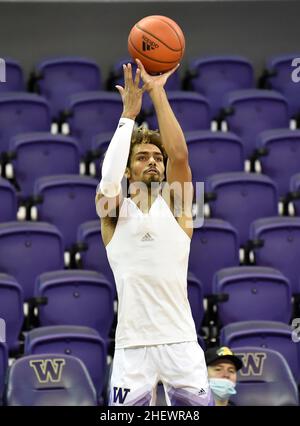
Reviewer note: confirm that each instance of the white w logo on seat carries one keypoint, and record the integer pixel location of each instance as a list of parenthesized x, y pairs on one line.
[(48, 370)]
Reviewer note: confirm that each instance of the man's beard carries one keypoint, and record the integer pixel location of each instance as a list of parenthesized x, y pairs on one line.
[(152, 182)]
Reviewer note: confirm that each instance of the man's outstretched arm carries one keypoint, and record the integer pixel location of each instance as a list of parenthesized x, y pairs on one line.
[(178, 169), (115, 161)]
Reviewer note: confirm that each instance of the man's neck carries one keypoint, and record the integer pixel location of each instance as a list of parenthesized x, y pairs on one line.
[(145, 198)]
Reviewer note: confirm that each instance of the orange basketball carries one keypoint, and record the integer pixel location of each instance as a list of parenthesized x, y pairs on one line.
[(158, 42)]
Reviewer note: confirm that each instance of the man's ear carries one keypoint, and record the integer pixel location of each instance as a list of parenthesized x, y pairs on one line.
[(127, 173)]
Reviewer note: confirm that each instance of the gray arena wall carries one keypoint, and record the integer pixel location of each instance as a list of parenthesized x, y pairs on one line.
[(31, 31)]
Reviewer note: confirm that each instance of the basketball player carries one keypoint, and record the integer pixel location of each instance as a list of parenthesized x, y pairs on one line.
[(148, 249)]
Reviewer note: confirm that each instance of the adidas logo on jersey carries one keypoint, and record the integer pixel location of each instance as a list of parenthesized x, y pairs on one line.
[(149, 44), (201, 392), (147, 237)]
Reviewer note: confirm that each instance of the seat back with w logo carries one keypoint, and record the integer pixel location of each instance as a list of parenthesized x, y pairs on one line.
[(265, 378), (50, 379)]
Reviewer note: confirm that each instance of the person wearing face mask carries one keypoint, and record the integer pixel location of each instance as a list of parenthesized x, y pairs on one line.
[(223, 366)]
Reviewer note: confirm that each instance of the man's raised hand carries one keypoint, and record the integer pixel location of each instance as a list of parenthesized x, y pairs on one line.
[(131, 93)]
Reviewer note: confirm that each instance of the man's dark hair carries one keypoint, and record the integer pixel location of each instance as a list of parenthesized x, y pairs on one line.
[(143, 135)]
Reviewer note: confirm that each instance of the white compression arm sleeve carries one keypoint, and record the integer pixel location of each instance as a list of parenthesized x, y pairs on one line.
[(115, 160)]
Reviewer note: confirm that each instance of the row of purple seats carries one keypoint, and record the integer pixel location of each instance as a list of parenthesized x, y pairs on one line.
[(71, 297), (83, 298), (273, 241), (38, 154), (71, 340), (63, 200), (215, 76), (68, 200), (239, 198), (211, 76), (214, 247), (264, 380), (55, 79), (247, 113), (265, 280)]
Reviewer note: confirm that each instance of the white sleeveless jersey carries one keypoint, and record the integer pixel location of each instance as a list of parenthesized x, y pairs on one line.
[(148, 254)]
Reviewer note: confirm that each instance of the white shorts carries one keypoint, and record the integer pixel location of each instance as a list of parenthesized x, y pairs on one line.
[(179, 366)]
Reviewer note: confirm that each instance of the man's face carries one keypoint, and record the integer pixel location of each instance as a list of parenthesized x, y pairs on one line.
[(146, 164), (222, 369)]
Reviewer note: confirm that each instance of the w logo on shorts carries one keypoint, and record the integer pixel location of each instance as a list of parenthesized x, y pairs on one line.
[(120, 395)]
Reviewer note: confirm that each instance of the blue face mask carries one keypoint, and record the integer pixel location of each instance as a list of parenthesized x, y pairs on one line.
[(222, 388)]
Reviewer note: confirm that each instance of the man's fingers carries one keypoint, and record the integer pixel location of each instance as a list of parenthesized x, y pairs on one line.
[(120, 89), (172, 71), (137, 77), (140, 65), (129, 75), (126, 78)]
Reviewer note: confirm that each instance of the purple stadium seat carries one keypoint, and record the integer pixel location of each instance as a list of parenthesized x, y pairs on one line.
[(91, 113), (191, 109), (58, 78), (3, 367), (265, 379), (240, 198), (9, 202), (250, 112), (75, 297), (264, 334), (278, 76), (42, 154), (195, 296), (255, 293), (214, 246), (28, 249), (11, 309), (215, 76), (52, 379), (213, 152), (82, 342), (100, 144), (275, 242), (93, 254), (14, 77), (66, 201), (295, 192), (279, 155), (21, 113)]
